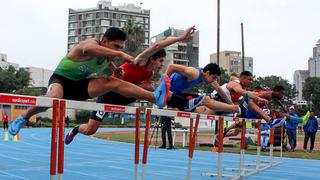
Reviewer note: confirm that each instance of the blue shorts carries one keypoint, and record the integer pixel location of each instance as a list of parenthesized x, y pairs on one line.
[(252, 115)]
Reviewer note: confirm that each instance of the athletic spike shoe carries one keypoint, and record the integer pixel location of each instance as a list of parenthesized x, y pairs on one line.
[(161, 92), (193, 103), (69, 137), (16, 125), (277, 122)]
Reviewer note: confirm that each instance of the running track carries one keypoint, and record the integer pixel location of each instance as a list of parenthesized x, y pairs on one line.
[(91, 158)]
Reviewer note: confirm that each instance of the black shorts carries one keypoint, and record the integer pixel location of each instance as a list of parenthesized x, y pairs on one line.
[(110, 98), (189, 96), (73, 90)]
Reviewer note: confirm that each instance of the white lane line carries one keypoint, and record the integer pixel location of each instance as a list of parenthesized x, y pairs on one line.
[(17, 159), (12, 175)]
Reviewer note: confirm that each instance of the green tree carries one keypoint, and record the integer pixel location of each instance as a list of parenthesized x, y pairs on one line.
[(12, 80), (311, 92), (82, 116), (135, 37)]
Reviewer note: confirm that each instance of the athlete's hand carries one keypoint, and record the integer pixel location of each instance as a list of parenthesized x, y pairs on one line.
[(263, 100), (127, 57), (188, 33)]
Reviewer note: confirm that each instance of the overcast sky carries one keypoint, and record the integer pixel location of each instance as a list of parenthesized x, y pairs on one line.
[(279, 34)]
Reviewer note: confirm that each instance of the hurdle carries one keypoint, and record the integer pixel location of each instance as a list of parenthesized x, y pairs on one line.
[(243, 172), (170, 113), (59, 107)]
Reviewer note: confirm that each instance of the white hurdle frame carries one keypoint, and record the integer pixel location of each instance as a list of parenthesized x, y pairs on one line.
[(259, 166), (58, 122)]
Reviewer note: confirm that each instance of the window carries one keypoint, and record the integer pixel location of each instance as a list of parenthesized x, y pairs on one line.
[(73, 25), (88, 30), (71, 39), (105, 22), (72, 18), (88, 16), (122, 24), (105, 14), (72, 32), (97, 15), (139, 19), (146, 20), (114, 15), (146, 34), (104, 29), (146, 41), (71, 46), (80, 17)]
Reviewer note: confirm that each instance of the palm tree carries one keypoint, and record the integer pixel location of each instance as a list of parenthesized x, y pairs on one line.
[(135, 37)]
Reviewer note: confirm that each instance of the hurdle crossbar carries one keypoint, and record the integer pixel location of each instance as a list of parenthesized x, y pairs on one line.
[(58, 122)]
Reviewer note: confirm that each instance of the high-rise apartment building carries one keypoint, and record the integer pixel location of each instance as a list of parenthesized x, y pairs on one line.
[(4, 64), (299, 78), (314, 61), (185, 53), (93, 22), (231, 61)]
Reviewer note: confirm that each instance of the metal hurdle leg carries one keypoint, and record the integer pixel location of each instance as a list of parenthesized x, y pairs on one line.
[(146, 140), (62, 114), (137, 143), (53, 156)]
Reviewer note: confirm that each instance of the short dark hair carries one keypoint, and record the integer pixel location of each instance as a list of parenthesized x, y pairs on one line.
[(278, 88), (213, 68), (159, 54), (246, 73), (114, 33)]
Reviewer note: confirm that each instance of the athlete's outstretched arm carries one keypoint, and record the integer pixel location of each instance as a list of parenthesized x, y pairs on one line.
[(142, 58), (91, 47), (238, 89), (216, 86), (190, 73)]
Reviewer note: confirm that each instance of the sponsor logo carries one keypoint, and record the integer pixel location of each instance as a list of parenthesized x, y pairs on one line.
[(114, 108), (211, 117), (182, 114), (17, 100), (100, 114)]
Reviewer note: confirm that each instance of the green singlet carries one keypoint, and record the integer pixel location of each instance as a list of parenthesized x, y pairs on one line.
[(76, 70)]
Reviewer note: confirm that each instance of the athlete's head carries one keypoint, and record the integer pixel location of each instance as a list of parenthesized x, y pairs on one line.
[(278, 92), (246, 78), (114, 38), (210, 72), (155, 62)]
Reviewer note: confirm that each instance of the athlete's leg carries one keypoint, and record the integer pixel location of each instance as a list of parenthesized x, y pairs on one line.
[(233, 132), (55, 90), (99, 86), (90, 128), (256, 109), (220, 106)]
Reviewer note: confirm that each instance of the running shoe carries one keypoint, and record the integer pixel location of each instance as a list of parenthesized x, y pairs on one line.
[(193, 103), (162, 91), (16, 125), (69, 137)]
